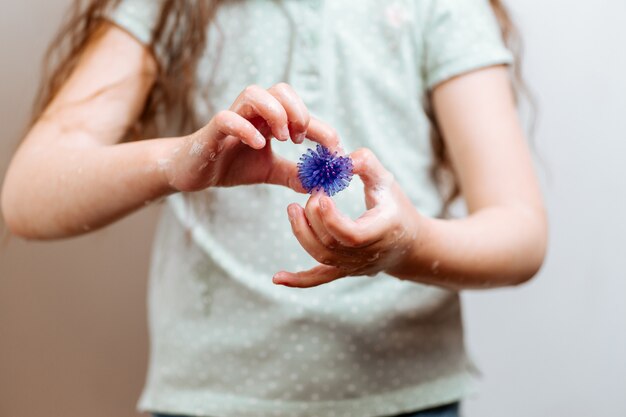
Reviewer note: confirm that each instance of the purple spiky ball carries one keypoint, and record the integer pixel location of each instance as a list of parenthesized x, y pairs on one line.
[(320, 168)]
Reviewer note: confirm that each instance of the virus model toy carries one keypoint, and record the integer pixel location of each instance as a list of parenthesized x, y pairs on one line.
[(323, 169)]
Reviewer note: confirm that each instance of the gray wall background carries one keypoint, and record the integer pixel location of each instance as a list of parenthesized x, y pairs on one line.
[(72, 313)]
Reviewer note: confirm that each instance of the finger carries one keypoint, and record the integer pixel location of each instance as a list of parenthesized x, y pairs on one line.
[(313, 214), (367, 166), (262, 126), (297, 113), (318, 275), (368, 229), (256, 101), (376, 179), (284, 172), (306, 237), (323, 134), (223, 124)]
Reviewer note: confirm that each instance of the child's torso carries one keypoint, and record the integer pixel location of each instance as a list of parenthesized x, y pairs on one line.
[(225, 339)]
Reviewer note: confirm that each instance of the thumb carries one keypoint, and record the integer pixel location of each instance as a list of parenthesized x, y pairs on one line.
[(367, 166), (284, 172)]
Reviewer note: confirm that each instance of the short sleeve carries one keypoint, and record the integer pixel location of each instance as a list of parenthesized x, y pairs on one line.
[(460, 36), (137, 17)]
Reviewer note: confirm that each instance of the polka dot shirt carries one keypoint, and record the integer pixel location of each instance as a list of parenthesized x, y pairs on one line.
[(225, 340)]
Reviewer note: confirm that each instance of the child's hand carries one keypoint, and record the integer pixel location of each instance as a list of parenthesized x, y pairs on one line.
[(378, 240), (234, 147)]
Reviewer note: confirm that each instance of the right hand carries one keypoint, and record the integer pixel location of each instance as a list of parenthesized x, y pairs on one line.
[(234, 147)]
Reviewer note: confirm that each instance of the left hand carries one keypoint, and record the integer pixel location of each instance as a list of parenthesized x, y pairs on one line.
[(379, 240)]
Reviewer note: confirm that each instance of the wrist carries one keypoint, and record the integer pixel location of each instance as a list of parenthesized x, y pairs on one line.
[(161, 158), (414, 262)]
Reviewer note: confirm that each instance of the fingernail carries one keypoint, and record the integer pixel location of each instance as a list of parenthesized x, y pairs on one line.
[(291, 214), (284, 133), (259, 139), (323, 203), (300, 137)]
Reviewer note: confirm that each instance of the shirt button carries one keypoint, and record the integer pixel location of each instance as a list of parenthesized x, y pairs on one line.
[(314, 4), (311, 81), (310, 39)]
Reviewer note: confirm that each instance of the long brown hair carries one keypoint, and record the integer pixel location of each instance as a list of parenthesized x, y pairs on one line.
[(179, 52)]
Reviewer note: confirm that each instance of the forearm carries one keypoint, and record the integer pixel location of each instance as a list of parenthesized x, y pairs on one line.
[(69, 187), (493, 247)]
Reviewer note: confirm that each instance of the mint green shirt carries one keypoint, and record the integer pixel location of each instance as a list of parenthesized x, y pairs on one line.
[(225, 340)]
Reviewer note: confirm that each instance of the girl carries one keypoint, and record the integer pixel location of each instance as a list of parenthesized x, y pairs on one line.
[(418, 90)]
